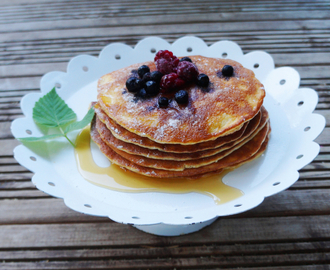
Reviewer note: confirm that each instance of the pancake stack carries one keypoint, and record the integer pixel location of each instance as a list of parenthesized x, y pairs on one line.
[(222, 125)]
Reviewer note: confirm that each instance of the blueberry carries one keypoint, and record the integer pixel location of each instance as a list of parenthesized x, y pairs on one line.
[(181, 96), (142, 93), (227, 71), (133, 84), (185, 59), (152, 88), (156, 76), (163, 102), (142, 70), (203, 80), (146, 77)]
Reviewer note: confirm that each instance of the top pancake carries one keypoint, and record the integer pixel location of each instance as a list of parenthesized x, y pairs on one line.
[(219, 110)]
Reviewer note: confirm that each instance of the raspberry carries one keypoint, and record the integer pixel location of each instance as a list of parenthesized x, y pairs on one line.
[(171, 82), (166, 62), (187, 71), (164, 54)]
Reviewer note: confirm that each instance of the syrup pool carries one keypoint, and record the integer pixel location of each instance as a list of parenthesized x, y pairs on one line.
[(115, 178)]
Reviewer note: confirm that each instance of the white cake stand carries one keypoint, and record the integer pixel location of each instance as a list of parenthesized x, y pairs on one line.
[(291, 146)]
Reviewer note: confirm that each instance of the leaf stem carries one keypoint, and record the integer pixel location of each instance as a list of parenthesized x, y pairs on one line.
[(69, 140), (64, 134)]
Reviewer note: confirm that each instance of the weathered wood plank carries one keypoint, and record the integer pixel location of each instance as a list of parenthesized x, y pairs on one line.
[(166, 251), (22, 194), (31, 69), (84, 9), (168, 263), (58, 55), (314, 175), (12, 168), (247, 40), (186, 16), (5, 130), (16, 185), (228, 230), (20, 83), (41, 210), (7, 146), (15, 176), (160, 29)]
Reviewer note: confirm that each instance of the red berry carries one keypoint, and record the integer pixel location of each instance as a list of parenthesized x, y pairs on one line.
[(166, 62), (171, 82), (187, 71), (164, 54)]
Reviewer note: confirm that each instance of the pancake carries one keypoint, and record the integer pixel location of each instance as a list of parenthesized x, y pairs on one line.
[(126, 136), (122, 146), (173, 165), (217, 111), (247, 152)]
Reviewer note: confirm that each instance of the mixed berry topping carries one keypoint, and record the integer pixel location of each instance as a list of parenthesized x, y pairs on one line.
[(227, 71), (203, 80), (166, 62), (171, 75), (163, 102), (170, 82), (181, 97)]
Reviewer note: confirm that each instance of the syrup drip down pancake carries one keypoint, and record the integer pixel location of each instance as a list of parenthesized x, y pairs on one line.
[(180, 118)]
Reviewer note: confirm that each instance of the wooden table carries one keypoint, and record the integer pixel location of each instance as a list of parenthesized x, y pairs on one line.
[(290, 230)]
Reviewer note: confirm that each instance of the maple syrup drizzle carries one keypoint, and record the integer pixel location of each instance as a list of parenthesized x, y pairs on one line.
[(115, 178)]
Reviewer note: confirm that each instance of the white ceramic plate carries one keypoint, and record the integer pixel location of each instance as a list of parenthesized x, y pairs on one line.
[(291, 145)]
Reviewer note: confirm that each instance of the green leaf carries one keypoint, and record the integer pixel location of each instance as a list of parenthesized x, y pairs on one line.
[(82, 123), (52, 111), (38, 139)]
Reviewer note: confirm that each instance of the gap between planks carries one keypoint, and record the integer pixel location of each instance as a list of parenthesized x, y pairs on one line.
[(173, 251)]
